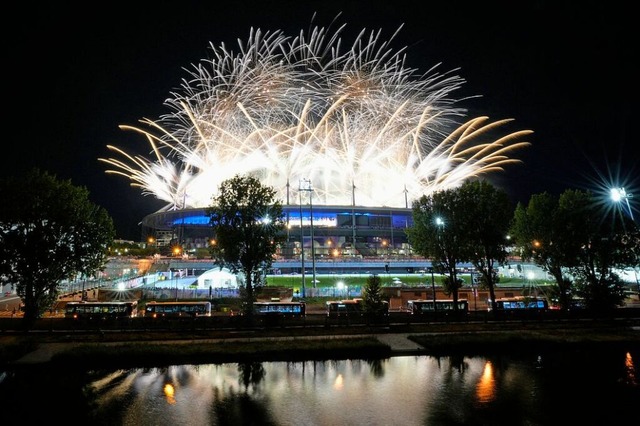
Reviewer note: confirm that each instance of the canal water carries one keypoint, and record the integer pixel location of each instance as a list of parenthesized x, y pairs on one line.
[(577, 387)]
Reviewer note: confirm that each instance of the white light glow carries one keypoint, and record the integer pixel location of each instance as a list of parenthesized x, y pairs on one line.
[(357, 122), (619, 195)]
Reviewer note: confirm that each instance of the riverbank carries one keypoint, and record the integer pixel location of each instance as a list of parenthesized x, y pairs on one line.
[(149, 349)]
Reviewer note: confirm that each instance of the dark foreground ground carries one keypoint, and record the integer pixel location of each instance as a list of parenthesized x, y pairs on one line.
[(96, 348)]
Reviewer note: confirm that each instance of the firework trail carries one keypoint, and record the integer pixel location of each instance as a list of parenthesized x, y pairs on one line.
[(290, 108)]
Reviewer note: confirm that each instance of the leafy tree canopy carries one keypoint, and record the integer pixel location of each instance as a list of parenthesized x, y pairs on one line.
[(485, 214), (579, 243), (49, 232), (373, 298), (437, 233), (248, 224)]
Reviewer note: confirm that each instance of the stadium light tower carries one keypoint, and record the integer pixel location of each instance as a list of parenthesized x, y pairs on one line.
[(301, 242), (305, 185), (619, 195)]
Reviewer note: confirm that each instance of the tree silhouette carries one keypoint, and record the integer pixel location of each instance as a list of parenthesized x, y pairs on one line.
[(248, 224), (49, 232)]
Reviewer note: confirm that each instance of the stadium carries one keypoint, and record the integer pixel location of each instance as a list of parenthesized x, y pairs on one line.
[(347, 136), (326, 232)]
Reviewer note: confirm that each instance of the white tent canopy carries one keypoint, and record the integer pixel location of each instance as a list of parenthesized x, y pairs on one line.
[(217, 278)]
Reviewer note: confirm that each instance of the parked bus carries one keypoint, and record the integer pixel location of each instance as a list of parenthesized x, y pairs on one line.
[(347, 308), (177, 309), (287, 309), (424, 306), (520, 304), (101, 310)]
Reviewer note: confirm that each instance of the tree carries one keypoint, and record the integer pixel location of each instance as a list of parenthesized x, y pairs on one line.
[(49, 232), (436, 233), (373, 298), (485, 214), (538, 231), (248, 224), (607, 243), (571, 238)]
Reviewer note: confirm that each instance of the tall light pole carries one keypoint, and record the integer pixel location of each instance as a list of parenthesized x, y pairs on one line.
[(175, 277), (353, 218), (313, 243), (305, 185), (433, 287), (301, 241), (288, 224), (181, 230), (619, 195), (475, 292), (440, 225)]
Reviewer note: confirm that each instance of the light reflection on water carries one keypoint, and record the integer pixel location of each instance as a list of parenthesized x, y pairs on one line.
[(486, 387), (412, 390), (630, 371)]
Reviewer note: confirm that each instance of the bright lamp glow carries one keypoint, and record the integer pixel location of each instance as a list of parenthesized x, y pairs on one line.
[(619, 195)]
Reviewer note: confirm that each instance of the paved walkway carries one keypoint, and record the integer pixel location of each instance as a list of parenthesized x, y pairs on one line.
[(399, 343)]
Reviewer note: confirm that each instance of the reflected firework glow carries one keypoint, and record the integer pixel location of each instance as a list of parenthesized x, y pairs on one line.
[(288, 108)]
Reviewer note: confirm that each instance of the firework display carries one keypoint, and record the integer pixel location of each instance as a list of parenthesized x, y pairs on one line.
[(309, 107)]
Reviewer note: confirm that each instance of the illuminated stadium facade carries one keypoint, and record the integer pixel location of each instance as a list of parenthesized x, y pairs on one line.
[(353, 120), (378, 232)]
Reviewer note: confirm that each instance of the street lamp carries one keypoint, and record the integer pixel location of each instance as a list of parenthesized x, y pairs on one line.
[(530, 277), (433, 287), (175, 277), (475, 292), (440, 225), (619, 195)]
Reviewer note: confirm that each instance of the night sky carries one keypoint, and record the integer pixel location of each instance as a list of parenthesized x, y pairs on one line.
[(567, 72)]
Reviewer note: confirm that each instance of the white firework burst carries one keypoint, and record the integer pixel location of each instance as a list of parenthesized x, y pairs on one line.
[(290, 108)]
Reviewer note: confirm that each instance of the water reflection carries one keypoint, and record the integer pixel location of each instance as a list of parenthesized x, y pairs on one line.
[(339, 383), (169, 391), (251, 373), (630, 371), (412, 390), (486, 389)]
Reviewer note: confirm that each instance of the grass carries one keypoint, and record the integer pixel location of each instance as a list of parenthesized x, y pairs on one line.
[(518, 341), (360, 280), (15, 347), (130, 355)]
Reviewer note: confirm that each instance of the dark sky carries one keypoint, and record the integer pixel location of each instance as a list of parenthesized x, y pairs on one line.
[(566, 71)]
